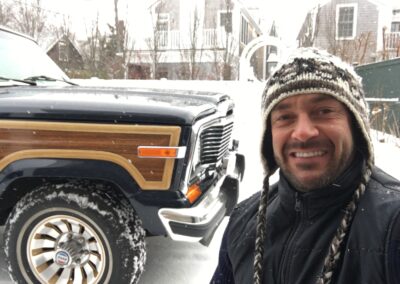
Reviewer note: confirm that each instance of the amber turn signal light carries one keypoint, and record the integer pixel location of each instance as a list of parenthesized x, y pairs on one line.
[(161, 152), (193, 193)]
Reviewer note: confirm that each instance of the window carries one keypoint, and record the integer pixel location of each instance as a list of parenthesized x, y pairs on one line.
[(395, 27), (62, 51), (163, 22), (162, 29), (244, 32), (225, 20), (346, 19), (396, 12)]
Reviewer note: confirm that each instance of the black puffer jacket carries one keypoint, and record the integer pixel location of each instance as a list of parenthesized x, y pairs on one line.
[(300, 228)]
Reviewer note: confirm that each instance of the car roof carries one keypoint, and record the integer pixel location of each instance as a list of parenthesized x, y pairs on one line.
[(8, 30)]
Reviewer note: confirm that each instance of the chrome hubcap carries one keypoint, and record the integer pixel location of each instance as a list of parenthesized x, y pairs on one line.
[(63, 249), (73, 250)]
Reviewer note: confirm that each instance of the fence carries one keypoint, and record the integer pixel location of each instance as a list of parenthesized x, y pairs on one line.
[(382, 87)]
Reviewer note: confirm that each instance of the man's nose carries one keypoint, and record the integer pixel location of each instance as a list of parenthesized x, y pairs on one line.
[(304, 129)]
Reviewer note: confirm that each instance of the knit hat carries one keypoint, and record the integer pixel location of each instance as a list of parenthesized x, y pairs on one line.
[(313, 71)]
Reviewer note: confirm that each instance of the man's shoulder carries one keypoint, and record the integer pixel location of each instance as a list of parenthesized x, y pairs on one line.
[(242, 222), (247, 205), (382, 180), (382, 195), (247, 209)]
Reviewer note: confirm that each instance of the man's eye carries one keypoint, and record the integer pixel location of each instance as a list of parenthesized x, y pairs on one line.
[(325, 111), (283, 117)]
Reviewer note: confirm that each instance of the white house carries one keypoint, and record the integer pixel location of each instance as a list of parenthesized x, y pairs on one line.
[(199, 39), (359, 31)]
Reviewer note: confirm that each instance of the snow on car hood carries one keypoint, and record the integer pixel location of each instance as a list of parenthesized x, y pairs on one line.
[(104, 104)]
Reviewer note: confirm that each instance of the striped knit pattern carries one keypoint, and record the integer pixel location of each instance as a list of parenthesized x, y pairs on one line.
[(312, 71), (260, 233)]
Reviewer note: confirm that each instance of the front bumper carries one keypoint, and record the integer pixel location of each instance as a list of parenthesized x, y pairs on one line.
[(199, 222)]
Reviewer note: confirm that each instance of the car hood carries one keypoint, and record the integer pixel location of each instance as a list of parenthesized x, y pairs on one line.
[(76, 103)]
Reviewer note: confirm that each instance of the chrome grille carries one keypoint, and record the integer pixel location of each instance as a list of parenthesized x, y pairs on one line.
[(214, 142)]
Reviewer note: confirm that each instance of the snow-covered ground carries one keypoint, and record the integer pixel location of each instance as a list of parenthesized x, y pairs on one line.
[(172, 262)]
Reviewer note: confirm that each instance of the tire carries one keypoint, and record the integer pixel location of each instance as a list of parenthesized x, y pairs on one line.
[(74, 233)]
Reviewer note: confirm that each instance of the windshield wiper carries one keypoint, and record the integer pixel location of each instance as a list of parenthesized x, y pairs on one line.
[(26, 81), (47, 78)]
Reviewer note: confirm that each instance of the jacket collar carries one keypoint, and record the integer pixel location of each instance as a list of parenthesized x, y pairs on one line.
[(335, 195)]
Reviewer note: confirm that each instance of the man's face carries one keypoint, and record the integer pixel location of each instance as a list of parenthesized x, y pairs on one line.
[(312, 139)]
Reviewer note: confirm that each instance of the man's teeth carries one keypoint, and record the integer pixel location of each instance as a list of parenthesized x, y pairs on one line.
[(308, 154)]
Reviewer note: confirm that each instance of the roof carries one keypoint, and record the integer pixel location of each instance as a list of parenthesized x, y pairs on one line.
[(53, 42), (249, 17)]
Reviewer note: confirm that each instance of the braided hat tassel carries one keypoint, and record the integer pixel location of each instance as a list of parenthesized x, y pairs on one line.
[(261, 230), (335, 248)]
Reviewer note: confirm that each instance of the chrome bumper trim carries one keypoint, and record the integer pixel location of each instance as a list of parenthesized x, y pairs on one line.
[(196, 222)]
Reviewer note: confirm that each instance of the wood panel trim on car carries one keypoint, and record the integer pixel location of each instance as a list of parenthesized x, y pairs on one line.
[(107, 142)]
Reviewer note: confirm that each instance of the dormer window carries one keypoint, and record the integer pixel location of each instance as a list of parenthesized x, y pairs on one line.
[(63, 51), (395, 27), (225, 20), (346, 21), (163, 29)]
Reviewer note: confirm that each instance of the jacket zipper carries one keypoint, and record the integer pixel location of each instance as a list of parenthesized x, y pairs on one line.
[(290, 240)]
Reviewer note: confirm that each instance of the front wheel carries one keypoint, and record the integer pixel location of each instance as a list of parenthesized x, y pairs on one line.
[(74, 234)]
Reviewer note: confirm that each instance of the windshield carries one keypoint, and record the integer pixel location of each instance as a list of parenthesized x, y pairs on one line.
[(22, 58)]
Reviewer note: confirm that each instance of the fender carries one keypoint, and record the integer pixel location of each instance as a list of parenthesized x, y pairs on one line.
[(146, 203)]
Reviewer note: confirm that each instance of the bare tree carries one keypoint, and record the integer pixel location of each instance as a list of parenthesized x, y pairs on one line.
[(157, 39), (125, 44), (91, 49), (124, 50), (30, 18), (5, 13), (119, 30), (108, 54), (63, 28), (225, 61), (191, 55)]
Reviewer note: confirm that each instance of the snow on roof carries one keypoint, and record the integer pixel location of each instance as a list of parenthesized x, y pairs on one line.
[(49, 43), (384, 100)]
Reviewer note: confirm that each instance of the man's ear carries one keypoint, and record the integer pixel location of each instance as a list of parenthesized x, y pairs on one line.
[(359, 142), (267, 147)]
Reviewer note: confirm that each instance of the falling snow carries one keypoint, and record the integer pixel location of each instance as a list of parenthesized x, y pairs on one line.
[(191, 263)]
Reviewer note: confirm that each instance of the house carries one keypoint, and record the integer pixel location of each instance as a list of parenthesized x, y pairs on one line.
[(66, 54), (392, 39), (359, 31), (195, 40)]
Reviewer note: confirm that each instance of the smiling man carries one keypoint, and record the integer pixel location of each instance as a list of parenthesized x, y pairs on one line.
[(333, 217), (312, 139)]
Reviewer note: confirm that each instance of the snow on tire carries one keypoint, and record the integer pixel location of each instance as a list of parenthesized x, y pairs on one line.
[(74, 233)]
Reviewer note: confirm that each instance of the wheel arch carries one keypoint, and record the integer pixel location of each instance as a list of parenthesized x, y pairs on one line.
[(21, 176)]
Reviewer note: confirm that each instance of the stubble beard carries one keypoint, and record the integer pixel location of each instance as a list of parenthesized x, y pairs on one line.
[(325, 179), (333, 170)]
